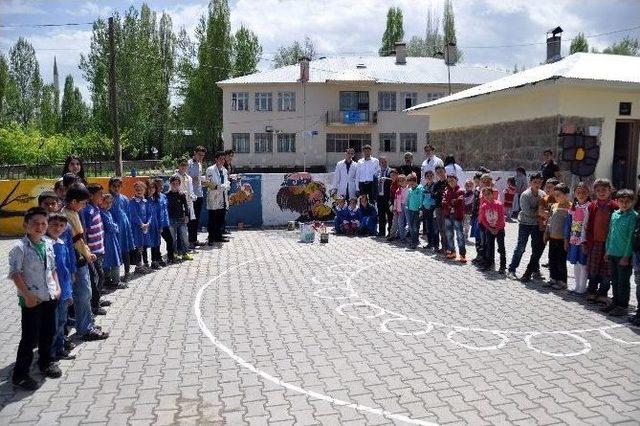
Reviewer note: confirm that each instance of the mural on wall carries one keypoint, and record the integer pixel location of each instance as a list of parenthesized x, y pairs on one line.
[(301, 194), (245, 201)]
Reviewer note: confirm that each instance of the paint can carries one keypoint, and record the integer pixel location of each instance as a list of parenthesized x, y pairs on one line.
[(307, 233), (240, 226), (324, 237), (291, 226)]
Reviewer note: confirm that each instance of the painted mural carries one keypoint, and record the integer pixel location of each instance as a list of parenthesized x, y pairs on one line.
[(302, 194)]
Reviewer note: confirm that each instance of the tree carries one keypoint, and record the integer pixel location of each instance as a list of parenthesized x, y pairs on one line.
[(247, 52), (73, 111), (393, 33), (48, 114), (291, 54), (432, 44), (627, 46), (449, 26), (24, 70), (579, 44)]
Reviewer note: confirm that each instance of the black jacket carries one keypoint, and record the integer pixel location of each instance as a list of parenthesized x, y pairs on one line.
[(177, 205)]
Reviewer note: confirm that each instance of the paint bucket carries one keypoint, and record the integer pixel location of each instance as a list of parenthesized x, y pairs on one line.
[(240, 226), (324, 237), (291, 226), (307, 233)]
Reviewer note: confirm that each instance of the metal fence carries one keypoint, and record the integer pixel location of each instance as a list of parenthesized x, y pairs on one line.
[(91, 168)]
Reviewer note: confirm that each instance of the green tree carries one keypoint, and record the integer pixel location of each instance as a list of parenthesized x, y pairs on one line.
[(627, 46), (247, 52), (394, 31), (48, 114), (25, 72), (579, 44), (449, 26), (73, 112), (166, 55), (432, 44), (291, 54)]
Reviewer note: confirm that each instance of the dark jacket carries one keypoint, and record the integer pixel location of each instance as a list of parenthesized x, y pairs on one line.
[(438, 191), (453, 202), (593, 207), (177, 205)]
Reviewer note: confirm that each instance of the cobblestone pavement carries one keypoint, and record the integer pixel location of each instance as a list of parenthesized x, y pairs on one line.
[(358, 331)]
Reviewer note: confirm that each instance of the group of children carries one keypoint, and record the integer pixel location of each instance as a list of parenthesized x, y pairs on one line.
[(75, 243)]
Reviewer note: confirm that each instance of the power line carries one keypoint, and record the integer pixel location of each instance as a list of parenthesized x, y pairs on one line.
[(69, 24)]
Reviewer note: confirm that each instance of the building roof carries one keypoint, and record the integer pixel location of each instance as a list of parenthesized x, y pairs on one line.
[(374, 69), (578, 68)]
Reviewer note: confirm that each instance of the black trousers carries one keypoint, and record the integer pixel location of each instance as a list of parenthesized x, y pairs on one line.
[(620, 281), (215, 224), (38, 327), (385, 216), (557, 260), (168, 239), (96, 274), (490, 248), (366, 188), (192, 226)]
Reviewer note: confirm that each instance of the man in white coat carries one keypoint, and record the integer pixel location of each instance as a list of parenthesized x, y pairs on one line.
[(430, 162), (368, 168), (344, 177), (217, 184)]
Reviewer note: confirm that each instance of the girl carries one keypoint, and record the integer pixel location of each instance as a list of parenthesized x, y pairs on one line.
[(73, 164), (140, 218), (112, 252), (399, 208), (576, 236), (153, 234), (350, 224), (120, 214), (165, 231)]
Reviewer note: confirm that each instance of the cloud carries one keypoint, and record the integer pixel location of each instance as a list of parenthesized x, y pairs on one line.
[(91, 9), (20, 7)]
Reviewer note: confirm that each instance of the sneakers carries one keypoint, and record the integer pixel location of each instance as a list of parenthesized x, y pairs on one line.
[(162, 263), (511, 275), (187, 256), (537, 276), (451, 255), (66, 355), (462, 259), (51, 370), (619, 311), (559, 285), (95, 334), (26, 383)]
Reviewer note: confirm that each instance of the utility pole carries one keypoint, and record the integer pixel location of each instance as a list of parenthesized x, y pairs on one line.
[(450, 59), (113, 98), (304, 78)]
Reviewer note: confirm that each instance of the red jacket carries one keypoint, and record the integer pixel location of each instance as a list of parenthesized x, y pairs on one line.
[(492, 214), (593, 207), (453, 201)]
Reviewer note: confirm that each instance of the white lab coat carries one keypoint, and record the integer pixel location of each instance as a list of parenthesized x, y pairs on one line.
[(186, 187), (343, 179), (217, 192)]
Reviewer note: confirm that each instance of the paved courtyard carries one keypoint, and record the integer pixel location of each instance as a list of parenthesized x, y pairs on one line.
[(268, 330)]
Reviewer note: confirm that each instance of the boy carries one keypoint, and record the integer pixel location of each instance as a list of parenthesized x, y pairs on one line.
[(528, 227), (33, 270), (178, 208), (338, 211), (619, 248), (64, 267), (555, 235), (414, 202), (94, 235), (49, 201), (438, 190), (453, 212), (76, 200), (600, 211), (428, 207), (492, 217), (112, 252)]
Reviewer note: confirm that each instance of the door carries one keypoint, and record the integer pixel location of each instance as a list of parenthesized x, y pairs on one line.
[(625, 154)]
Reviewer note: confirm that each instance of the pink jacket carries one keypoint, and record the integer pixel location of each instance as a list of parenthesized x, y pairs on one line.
[(492, 215), (400, 199)]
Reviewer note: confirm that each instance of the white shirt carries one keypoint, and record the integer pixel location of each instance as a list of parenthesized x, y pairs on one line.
[(367, 169), (430, 164), (455, 169)]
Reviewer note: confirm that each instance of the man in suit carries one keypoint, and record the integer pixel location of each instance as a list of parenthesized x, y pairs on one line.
[(217, 183), (383, 186), (344, 177)]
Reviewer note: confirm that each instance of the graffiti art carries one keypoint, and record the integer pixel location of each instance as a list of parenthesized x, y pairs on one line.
[(301, 194)]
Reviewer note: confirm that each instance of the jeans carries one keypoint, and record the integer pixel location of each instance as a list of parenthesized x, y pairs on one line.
[(96, 274), (455, 225), (57, 347), (82, 300), (490, 248), (38, 327), (412, 219), (557, 260), (179, 232), (430, 227), (537, 247), (620, 281), (440, 228), (402, 223), (193, 224)]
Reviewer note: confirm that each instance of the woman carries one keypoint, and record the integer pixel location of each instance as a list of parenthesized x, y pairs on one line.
[(73, 164), (453, 168)]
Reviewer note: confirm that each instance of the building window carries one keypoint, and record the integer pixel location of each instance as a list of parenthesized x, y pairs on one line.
[(264, 102), (408, 142), (286, 142), (354, 101), (387, 142), (263, 142), (339, 142), (286, 101), (240, 142), (240, 101), (432, 96), (386, 101), (409, 99)]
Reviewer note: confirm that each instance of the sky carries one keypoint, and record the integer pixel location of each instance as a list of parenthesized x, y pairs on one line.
[(484, 27)]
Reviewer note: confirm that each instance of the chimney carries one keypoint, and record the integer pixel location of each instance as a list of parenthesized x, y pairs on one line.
[(304, 69), (401, 53), (553, 45)]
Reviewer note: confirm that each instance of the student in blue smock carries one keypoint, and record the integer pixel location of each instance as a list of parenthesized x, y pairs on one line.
[(153, 236), (339, 212), (120, 213), (165, 231), (140, 218), (367, 216), (112, 251)]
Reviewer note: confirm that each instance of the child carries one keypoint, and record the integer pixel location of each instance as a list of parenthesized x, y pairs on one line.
[(521, 186), (186, 187), (120, 213), (153, 235), (439, 186), (351, 224), (475, 231), (399, 208), (575, 236), (428, 208), (94, 234), (453, 212), (367, 216), (392, 197), (414, 203), (60, 191), (635, 319), (619, 248), (600, 211), (49, 201), (339, 213), (491, 215), (33, 270), (139, 216), (468, 207), (76, 200), (164, 221), (178, 210), (64, 267), (508, 195), (555, 236), (112, 251)]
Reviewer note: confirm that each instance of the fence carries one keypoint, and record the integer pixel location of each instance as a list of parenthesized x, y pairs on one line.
[(91, 168)]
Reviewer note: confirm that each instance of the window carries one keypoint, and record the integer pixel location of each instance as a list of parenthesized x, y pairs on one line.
[(286, 101), (286, 142), (354, 101), (409, 99), (434, 96), (240, 142), (240, 101), (263, 142), (339, 142), (386, 101), (387, 142), (264, 102), (408, 142)]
